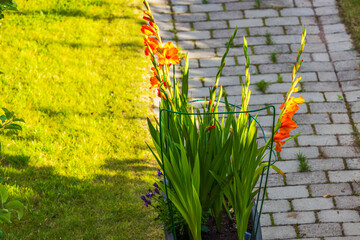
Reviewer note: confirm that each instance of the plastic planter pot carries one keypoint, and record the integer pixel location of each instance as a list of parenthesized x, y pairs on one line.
[(254, 216)]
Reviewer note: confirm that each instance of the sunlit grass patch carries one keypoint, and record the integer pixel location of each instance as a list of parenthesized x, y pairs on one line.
[(74, 70)]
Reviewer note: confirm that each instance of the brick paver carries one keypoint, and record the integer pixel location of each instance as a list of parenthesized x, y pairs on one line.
[(323, 203)]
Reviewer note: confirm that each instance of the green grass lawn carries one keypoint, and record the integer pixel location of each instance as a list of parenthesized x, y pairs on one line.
[(349, 11), (75, 71)]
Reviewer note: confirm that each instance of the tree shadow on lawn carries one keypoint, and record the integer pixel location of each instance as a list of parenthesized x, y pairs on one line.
[(71, 208), (72, 13)]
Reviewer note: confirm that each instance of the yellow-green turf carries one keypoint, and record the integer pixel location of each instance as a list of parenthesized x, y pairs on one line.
[(349, 11), (76, 72)]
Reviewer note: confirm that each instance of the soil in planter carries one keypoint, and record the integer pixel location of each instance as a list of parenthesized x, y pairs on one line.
[(228, 227)]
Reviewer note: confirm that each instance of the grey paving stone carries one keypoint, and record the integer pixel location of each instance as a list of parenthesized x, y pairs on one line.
[(327, 76), (271, 48), (319, 190), (190, 17), (264, 30), (330, 19), (321, 57), (306, 77), (316, 66), (343, 238), (291, 58), (344, 176), (256, 59), (333, 96), (281, 39), (326, 164), (351, 86), (340, 151), (277, 3), (317, 140), (346, 140), (282, 21), (334, 129), (327, 107), (323, 3), (210, 25), (294, 218), (206, 8), (310, 48), (251, 41), (266, 77), (348, 65), (204, 72), (356, 188), (297, 12), (261, 13), (215, 62), (321, 11), (320, 230), (182, 26), (337, 37), (239, 5), (288, 166), (351, 228), (226, 15), (201, 53), (278, 232), (298, 30), (343, 55), (275, 68), (162, 17), (299, 178), (242, 23), (265, 220), (334, 28), (186, 45), (194, 35), (288, 192), (340, 118), (306, 204), (340, 46), (181, 2), (348, 75), (180, 8), (353, 163), (347, 202), (303, 3), (338, 216), (290, 153), (311, 119), (275, 206), (226, 33), (309, 21)]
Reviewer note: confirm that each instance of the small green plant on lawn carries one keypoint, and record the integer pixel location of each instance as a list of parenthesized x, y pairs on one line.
[(273, 57), (303, 165), (280, 79), (262, 85), (269, 41), (7, 208)]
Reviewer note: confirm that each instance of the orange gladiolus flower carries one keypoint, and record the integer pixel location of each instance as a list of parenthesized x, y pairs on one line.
[(147, 30), (169, 55), (153, 44), (287, 124)]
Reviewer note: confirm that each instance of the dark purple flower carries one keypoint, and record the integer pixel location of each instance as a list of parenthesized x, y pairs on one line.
[(156, 190), (159, 173), (147, 202), (149, 194), (143, 197), (155, 185)]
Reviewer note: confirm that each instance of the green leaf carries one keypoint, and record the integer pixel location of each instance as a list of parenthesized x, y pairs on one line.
[(5, 217), (8, 114), (13, 127), (3, 118), (3, 194), (18, 120), (16, 206), (185, 80)]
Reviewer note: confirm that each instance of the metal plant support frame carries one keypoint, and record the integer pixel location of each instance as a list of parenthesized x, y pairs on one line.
[(265, 168)]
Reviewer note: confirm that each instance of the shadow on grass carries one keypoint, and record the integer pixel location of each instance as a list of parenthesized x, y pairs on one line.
[(72, 13), (16, 161)]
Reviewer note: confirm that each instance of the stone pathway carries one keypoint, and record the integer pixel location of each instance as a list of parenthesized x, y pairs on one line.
[(295, 206)]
